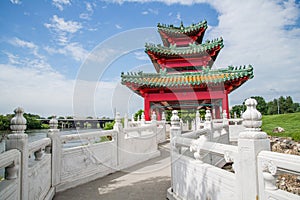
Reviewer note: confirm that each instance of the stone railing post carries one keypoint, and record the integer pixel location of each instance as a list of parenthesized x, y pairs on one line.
[(197, 120), (119, 137), (56, 151), (250, 143), (163, 116), (175, 129), (208, 124), (143, 121), (125, 121), (132, 118), (225, 123), (19, 140)]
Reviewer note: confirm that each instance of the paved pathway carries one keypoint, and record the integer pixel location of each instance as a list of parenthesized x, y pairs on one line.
[(148, 180)]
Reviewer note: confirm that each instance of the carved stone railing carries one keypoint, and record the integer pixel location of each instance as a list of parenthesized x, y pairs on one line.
[(10, 186), (272, 164), (254, 165), (139, 130), (39, 147), (90, 136)]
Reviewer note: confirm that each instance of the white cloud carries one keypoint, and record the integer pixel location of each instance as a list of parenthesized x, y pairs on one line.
[(256, 32), (150, 10), (90, 10), (63, 29), (37, 91), (118, 26), (15, 2), (61, 3), (141, 55), (75, 50), (178, 16), (260, 38)]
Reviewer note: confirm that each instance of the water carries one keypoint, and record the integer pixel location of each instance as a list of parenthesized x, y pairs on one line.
[(34, 135)]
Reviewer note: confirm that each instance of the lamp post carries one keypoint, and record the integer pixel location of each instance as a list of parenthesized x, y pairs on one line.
[(277, 101)]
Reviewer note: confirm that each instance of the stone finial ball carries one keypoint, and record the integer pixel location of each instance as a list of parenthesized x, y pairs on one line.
[(252, 117), (175, 116)]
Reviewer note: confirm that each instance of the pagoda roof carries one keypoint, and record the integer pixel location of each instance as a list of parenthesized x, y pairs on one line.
[(193, 48), (182, 29), (170, 80)]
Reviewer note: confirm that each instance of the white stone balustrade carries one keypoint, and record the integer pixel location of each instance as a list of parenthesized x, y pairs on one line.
[(254, 165), (10, 160), (38, 147), (56, 168)]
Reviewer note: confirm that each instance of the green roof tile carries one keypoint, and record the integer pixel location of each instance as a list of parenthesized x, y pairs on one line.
[(187, 78)]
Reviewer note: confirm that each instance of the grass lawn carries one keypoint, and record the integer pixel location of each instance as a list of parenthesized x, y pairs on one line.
[(290, 123)]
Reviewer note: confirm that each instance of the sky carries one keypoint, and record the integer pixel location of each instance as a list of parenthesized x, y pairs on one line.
[(65, 57)]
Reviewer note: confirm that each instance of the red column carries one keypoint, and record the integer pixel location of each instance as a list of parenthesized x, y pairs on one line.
[(147, 109), (225, 105), (217, 112)]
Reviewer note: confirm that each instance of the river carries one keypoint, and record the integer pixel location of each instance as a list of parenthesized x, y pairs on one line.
[(34, 135)]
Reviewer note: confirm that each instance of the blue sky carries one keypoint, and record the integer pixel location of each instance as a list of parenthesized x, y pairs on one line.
[(47, 45)]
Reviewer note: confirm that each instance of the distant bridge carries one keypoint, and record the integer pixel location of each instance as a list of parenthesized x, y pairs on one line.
[(79, 123)]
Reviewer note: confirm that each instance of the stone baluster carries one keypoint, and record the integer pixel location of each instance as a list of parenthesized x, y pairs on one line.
[(119, 136), (56, 150), (125, 121), (188, 125), (197, 120), (154, 122), (250, 143), (143, 122), (153, 116), (175, 131), (163, 116), (208, 124), (175, 124), (118, 122), (225, 128), (193, 125), (19, 140)]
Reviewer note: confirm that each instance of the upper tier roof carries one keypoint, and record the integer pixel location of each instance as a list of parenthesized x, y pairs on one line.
[(188, 30), (182, 35), (193, 48), (190, 79)]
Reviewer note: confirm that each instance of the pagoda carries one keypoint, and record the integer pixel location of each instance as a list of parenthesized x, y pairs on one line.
[(185, 79)]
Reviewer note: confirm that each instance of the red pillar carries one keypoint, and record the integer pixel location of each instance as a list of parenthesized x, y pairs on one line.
[(217, 112), (147, 109), (225, 105)]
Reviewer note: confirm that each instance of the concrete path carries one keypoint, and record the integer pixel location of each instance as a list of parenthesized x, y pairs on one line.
[(148, 180)]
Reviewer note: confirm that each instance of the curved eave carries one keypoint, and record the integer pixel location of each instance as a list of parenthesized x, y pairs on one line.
[(193, 49), (189, 30)]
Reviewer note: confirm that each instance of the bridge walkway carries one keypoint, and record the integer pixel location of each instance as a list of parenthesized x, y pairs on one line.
[(146, 181)]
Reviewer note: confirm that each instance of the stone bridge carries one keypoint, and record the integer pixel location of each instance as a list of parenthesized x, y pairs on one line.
[(138, 162)]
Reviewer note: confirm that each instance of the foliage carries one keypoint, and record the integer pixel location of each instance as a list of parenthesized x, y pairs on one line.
[(138, 115), (277, 106), (109, 125), (5, 121), (290, 123), (32, 121), (261, 104), (238, 109), (45, 126)]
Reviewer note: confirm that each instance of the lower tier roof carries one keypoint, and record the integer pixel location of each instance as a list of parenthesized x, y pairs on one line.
[(234, 76)]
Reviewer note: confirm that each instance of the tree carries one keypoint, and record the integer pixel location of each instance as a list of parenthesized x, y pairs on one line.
[(237, 109), (262, 106), (289, 104), (138, 114), (32, 121)]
